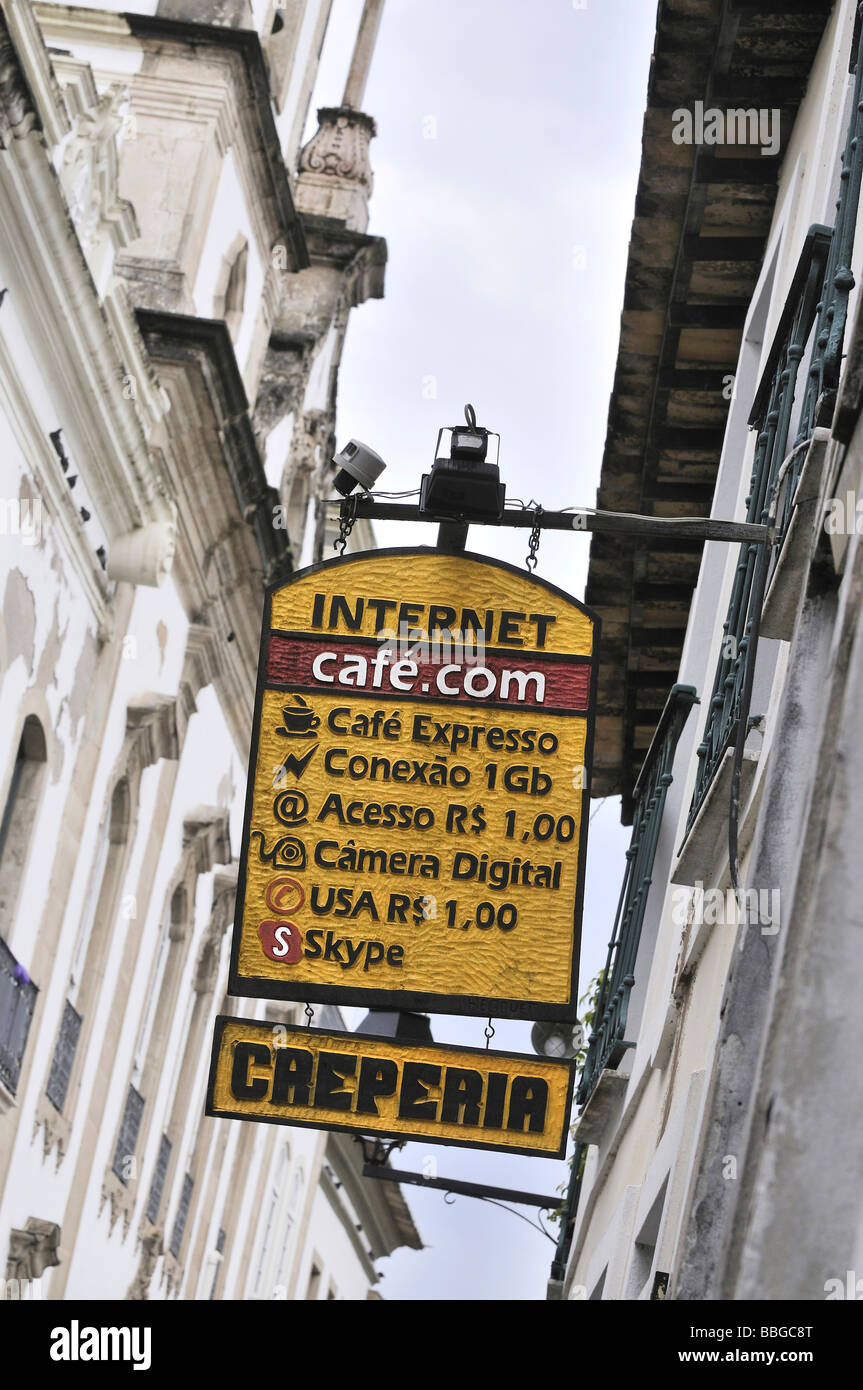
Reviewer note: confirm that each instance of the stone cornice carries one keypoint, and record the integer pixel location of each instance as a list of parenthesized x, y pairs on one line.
[(59, 309), (355, 253), (151, 730), (246, 43), (202, 663), (33, 1250), (30, 96), (17, 405), (121, 1201), (207, 343), (150, 1238), (221, 917), (206, 837), (360, 1246), (380, 1206), (17, 107)]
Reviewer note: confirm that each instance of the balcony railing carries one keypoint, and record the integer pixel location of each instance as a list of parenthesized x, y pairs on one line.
[(17, 1002), (608, 1041), (816, 312), (772, 416)]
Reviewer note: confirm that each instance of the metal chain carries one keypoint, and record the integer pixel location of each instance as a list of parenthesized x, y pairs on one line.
[(347, 517), (533, 543), (310, 1013), (489, 1034)]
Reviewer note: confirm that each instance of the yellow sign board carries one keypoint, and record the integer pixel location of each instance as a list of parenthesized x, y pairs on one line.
[(416, 812), (378, 1086)]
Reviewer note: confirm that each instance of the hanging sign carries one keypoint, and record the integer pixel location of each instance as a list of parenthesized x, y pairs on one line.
[(378, 1086), (415, 825)]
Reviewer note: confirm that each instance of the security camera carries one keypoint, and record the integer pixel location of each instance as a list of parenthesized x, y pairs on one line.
[(359, 466)]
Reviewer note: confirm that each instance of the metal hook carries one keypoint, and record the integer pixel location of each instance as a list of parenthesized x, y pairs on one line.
[(470, 417)]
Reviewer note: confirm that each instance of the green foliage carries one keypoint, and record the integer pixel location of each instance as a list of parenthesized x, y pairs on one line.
[(588, 999)]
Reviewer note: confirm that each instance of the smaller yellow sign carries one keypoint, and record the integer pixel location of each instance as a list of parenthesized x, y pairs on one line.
[(378, 1086)]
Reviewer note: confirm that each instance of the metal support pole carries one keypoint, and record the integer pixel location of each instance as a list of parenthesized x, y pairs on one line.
[(682, 528), (462, 1189), (452, 537)]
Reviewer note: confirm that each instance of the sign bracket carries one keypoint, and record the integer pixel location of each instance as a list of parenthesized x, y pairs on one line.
[(463, 1189), (452, 536)]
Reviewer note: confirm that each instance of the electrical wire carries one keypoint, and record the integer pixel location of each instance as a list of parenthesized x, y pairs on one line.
[(413, 492)]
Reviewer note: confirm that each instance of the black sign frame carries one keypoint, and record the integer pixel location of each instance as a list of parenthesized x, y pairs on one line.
[(367, 1128), (477, 1006)]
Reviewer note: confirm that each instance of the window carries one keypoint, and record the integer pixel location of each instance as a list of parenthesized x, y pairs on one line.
[(290, 1220), (64, 1057), (182, 1216), (298, 507), (104, 884), (230, 296), (92, 942), (17, 1002), (276, 1192), (154, 1201), (173, 931), (19, 815), (124, 1154), (644, 1250)]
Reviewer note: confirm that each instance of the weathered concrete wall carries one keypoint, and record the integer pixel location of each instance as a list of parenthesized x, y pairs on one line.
[(738, 1011)]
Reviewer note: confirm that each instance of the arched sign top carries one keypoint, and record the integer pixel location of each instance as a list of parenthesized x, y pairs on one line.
[(436, 593), (418, 788)]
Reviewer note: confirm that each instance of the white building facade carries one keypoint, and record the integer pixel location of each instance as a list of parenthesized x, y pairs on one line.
[(177, 275), (719, 1109)]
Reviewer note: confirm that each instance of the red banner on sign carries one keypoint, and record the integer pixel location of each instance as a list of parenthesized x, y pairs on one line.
[(333, 664)]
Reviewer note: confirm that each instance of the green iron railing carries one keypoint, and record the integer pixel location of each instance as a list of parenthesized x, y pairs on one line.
[(771, 415), (608, 1041), (817, 299)]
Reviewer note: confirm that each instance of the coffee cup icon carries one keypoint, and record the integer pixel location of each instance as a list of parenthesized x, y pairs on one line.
[(299, 720)]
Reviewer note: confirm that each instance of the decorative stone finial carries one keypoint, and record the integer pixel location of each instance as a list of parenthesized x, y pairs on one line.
[(335, 172)]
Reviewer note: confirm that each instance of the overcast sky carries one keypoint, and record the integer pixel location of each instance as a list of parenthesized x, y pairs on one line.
[(505, 168)]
